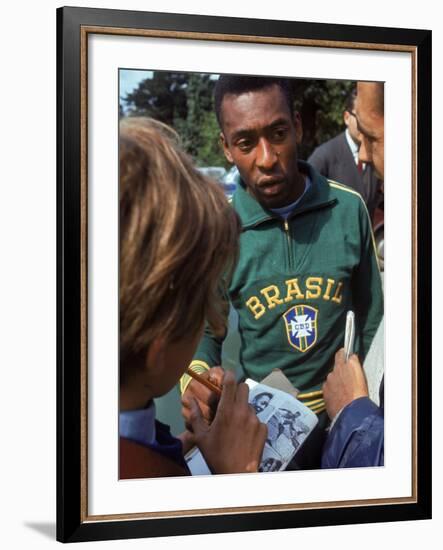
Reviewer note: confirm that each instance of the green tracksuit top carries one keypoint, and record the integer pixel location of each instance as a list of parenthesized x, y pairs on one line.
[(295, 281)]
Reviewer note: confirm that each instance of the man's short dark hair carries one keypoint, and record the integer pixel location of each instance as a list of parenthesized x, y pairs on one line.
[(241, 84)]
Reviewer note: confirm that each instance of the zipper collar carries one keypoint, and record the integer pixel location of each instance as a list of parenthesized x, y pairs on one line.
[(252, 213)]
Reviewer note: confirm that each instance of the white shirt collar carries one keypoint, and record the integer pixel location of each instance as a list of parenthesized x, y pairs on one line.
[(352, 145)]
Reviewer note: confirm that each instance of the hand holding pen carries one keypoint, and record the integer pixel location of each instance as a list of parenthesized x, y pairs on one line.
[(344, 384), (206, 389)]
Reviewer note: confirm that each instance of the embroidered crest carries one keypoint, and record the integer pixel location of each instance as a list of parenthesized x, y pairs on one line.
[(301, 326)]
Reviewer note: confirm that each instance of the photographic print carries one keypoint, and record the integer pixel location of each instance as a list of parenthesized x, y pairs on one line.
[(222, 206), (309, 260)]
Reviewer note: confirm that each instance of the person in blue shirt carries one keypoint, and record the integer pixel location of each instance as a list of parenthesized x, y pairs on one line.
[(356, 436), (178, 234)]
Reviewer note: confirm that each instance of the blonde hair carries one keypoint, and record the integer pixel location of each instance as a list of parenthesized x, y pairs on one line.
[(178, 236)]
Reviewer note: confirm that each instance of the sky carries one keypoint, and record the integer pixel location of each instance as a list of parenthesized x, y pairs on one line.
[(130, 79)]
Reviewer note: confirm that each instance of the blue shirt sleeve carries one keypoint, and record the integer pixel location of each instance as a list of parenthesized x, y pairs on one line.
[(357, 438)]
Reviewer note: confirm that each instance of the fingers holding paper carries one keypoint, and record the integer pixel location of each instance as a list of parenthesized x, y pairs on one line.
[(234, 441)]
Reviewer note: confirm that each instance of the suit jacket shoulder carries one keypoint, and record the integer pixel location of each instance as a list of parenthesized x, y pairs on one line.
[(335, 161), (326, 155)]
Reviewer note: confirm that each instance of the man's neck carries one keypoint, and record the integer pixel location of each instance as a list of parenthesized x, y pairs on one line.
[(299, 190)]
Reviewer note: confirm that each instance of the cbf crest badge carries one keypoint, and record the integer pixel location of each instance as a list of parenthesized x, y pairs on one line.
[(301, 326)]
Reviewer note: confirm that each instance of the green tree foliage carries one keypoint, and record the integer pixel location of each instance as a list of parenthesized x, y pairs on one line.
[(162, 97), (321, 105), (199, 131), (185, 101), (211, 152)]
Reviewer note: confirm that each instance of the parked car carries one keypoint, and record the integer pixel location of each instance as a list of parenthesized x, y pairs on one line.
[(214, 172), (229, 181)]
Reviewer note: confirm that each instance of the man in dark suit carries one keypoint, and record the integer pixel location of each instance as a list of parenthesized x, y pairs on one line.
[(337, 159)]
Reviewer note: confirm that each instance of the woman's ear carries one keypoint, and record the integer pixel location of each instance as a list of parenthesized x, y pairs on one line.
[(156, 355)]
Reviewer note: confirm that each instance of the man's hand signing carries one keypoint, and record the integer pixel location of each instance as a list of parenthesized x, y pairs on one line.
[(344, 384)]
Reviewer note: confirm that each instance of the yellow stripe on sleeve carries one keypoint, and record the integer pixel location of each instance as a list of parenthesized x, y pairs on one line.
[(342, 187)]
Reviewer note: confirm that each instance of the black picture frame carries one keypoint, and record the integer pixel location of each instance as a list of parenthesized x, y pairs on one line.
[(72, 518)]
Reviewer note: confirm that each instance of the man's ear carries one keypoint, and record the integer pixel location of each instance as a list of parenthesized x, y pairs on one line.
[(226, 150), (298, 127)]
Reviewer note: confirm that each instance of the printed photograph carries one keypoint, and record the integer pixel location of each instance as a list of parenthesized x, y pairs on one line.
[(260, 402), (289, 422), (251, 300), (271, 461)]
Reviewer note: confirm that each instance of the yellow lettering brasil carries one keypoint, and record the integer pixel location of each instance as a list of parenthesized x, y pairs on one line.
[(314, 288)]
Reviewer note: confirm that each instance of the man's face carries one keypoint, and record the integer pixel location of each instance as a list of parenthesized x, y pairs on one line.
[(260, 137), (261, 402), (371, 125)]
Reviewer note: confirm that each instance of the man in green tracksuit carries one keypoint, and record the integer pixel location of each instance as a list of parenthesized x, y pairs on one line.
[(306, 249)]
